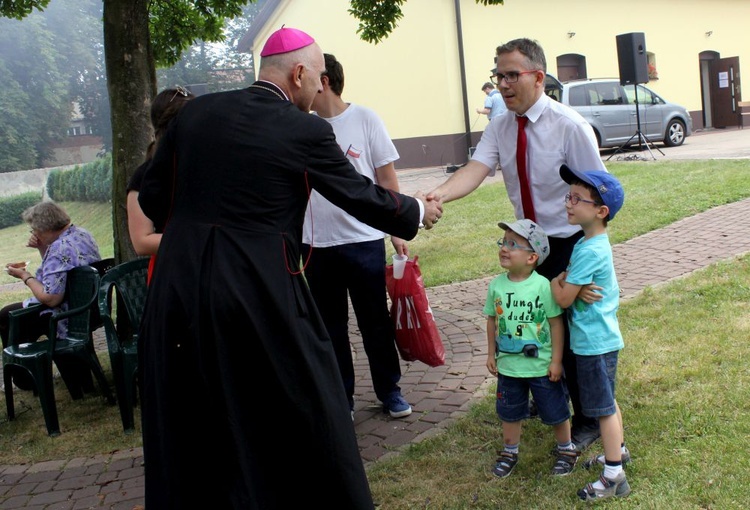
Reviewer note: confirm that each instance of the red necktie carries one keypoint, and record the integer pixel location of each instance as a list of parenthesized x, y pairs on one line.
[(523, 179)]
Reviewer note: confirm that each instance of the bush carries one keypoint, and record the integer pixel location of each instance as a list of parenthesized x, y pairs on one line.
[(12, 207), (91, 182)]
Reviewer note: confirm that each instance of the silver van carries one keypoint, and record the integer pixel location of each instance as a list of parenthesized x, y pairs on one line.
[(610, 109)]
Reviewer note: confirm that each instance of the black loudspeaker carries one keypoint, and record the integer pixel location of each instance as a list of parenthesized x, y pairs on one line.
[(632, 58)]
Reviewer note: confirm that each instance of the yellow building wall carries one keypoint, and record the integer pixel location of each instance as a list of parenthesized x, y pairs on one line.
[(413, 79)]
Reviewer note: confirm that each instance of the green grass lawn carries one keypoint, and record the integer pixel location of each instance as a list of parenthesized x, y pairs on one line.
[(683, 380), (683, 386)]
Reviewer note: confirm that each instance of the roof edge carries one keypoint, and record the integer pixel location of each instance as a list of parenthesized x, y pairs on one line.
[(247, 42)]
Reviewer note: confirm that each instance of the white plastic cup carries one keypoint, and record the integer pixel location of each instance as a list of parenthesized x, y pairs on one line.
[(399, 263)]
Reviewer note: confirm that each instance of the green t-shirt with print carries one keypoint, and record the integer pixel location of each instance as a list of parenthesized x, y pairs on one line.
[(522, 310)]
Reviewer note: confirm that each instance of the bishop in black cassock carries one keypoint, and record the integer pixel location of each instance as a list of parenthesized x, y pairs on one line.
[(243, 405)]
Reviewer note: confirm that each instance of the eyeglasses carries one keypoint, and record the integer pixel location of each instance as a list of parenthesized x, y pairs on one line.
[(574, 199), (512, 245), (181, 91), (510, 77)]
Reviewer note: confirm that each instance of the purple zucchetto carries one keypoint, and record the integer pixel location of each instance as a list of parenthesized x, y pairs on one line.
[(285, 40)]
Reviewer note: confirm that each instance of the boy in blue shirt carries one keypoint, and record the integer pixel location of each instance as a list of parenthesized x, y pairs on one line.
[(595, 339), (525, 346)]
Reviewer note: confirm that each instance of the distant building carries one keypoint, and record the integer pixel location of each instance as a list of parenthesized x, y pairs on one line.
[(80, 146)]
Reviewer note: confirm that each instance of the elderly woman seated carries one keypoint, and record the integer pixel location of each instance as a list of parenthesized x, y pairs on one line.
[(62, 247)]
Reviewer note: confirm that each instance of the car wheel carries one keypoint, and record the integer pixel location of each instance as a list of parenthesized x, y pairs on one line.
[(675, 133)]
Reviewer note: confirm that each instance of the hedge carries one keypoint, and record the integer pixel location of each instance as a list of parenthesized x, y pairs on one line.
[(12, 207), (91, 182)]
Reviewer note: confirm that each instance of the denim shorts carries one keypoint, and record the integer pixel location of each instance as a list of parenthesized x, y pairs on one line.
[(596, 383), (512, 403)]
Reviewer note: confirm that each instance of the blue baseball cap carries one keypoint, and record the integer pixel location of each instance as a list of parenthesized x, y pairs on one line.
[(606, 184)]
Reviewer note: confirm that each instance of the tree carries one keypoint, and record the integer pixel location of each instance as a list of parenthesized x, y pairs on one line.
[(17, 150), (218, 66), (35, 99), (139, 34), (58, 52), (377, 18), (79, 24)]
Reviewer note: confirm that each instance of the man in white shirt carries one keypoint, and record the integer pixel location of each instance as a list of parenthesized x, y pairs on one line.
[(348, 257), (556, 135)]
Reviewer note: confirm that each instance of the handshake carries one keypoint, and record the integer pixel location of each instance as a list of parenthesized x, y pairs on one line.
[(433, 208)]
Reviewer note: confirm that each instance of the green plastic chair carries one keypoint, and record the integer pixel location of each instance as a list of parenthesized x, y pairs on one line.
[(126, 283), (74, 356)]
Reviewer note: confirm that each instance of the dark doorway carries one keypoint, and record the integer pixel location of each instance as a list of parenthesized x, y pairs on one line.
[(720, 90), (571, 67)]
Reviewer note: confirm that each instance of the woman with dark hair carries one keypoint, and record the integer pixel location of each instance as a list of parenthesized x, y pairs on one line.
[(144, 235)]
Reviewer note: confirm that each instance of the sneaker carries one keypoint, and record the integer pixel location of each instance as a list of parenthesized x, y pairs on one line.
[(583, 437), (599, 460), (396, 406), (618, 487), (565, 462), (505, 464)]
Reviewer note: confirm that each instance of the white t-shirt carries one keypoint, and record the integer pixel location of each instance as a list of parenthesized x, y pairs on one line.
[(362, 136), (555, 134)]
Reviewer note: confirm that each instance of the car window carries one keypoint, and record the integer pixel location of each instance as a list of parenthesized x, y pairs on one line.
[(608, 94), (645, 96), (552, 87), (592, 95), (577, 96)]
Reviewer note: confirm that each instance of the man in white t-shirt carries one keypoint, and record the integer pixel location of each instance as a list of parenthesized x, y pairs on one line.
[(344, 256)]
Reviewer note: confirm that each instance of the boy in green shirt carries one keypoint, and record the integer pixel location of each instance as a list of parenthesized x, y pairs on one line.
[(525, 344)]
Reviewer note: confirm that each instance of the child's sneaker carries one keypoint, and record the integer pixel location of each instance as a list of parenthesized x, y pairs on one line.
[(618, 487), (505, 464), (565, 462), (599, 460)]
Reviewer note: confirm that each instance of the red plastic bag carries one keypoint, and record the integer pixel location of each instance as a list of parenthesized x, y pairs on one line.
[(417, 335)]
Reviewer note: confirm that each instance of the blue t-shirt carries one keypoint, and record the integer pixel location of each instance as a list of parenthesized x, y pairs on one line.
[(495, 102), (594, 328)]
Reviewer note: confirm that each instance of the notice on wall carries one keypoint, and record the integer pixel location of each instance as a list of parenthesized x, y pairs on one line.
[(723, 80)]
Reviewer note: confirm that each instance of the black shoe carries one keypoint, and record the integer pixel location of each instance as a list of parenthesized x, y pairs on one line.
[(565, 462), (583, 437), (505, 464)]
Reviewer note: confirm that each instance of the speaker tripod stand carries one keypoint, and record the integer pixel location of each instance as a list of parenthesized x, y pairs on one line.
[(642, 140)]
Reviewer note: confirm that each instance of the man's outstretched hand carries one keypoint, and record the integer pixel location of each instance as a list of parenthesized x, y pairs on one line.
[(433, 209)]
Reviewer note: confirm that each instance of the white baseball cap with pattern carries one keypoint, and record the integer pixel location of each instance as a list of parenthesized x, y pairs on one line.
[(533, 233)]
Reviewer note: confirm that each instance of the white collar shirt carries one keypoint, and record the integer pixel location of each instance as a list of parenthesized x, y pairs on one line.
[(556, 135)]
